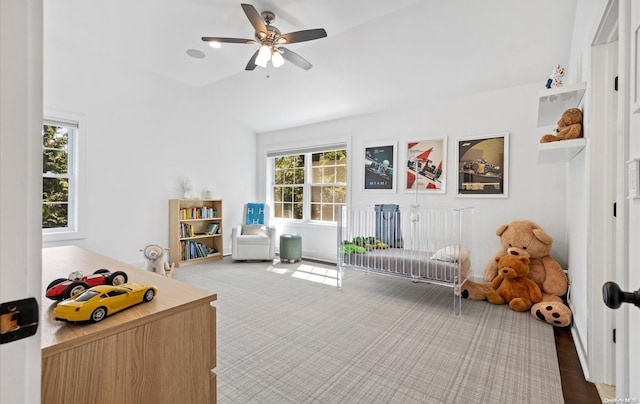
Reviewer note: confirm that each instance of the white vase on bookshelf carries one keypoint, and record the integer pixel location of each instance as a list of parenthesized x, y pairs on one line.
[(207, 194)]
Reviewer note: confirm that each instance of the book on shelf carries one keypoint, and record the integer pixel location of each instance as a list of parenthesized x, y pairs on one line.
[(203, 212), (186, 230), (212, 228), (193, 249)]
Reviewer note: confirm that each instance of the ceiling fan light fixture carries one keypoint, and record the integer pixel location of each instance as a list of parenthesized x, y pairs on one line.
[(270, 40), (277, 59), (264, 54)]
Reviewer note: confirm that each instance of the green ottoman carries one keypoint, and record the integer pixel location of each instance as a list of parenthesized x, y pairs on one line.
[(290, 247)]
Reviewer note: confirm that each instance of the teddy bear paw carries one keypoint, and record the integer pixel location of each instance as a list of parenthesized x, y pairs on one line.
[(475, 291), (554, 313)]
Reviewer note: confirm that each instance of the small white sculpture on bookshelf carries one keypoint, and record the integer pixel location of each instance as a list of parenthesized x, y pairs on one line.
[(156, 260), (189, 189)]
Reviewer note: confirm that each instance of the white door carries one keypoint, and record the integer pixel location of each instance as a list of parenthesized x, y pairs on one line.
[(632, 314), (631, 271), (603, 163), (20, 188), (627, 318)]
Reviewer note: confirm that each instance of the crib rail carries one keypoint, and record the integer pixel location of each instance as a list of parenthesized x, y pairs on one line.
[(423, 244)]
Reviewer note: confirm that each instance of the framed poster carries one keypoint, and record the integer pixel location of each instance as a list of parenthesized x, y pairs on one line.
[(425, 166), (379, 167), (483, 166)]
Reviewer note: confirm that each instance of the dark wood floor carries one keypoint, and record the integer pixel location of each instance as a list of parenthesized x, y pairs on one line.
[(574, 386)]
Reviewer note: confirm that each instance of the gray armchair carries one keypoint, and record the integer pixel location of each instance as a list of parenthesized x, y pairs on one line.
[(254, 239)]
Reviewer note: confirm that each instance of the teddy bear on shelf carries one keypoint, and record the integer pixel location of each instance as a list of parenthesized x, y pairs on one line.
[(512, 285), (555, 78), (156, 260), (528, 239), (569, 127)]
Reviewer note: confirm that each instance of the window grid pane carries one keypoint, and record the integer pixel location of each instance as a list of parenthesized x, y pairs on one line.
[(55, 215), (329, 186), (57, 177)]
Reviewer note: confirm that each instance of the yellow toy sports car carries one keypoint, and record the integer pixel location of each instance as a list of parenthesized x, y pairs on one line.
[(98, 302)]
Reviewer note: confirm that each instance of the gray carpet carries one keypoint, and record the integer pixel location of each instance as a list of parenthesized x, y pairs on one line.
[(286, 334)]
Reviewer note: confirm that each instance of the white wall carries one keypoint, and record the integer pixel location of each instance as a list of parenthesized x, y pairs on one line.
[(536, 192), (144, 133)]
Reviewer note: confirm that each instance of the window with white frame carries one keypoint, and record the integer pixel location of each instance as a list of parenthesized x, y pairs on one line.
[(60, 180), (310, 186)]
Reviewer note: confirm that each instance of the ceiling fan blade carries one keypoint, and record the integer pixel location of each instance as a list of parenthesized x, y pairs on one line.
[(227, 40), (254, 17), (295, 58), (301, 36), (252, 62)]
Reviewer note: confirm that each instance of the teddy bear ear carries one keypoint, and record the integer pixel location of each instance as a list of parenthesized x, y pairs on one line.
[(542, 236), (502, 229), (524, 259)]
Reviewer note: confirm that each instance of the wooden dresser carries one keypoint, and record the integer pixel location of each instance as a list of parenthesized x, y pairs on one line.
[(159, 352)]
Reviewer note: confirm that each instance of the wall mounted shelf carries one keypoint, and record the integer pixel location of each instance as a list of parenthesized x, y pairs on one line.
[(561, 151), (553, 102)]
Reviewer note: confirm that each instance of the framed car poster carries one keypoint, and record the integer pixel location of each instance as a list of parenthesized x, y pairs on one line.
[(483, 166), (425, 166), (379, 167)]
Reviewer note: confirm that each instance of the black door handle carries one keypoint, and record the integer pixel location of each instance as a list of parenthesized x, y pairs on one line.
[(613, 296)]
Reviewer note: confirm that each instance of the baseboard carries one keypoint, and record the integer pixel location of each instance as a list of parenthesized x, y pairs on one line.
[(580, 349)]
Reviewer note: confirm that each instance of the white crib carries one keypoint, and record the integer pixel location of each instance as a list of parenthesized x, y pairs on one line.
[(424, 244)]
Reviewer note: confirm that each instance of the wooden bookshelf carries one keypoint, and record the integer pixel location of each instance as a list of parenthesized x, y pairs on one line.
[(195, 230)]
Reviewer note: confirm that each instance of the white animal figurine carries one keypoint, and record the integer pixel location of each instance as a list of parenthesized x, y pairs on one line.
[(156, 260)]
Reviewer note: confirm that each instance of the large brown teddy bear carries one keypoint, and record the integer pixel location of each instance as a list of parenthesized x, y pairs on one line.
[(569, 127), (512, 285), (526, 238)]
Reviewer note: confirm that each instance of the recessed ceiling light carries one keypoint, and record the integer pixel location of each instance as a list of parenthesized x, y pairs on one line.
[(194, 53)]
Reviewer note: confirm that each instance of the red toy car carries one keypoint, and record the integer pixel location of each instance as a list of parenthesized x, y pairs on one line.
[(77, 283)]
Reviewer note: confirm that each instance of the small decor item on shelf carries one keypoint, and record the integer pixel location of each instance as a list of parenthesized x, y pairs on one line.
[(555, 79), (156, 260), (76, 283), (207, 194), (101, 301), (569, 127), (189, 189)]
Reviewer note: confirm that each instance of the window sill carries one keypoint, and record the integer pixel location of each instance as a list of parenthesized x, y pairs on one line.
[(55, 236), (293, 222)]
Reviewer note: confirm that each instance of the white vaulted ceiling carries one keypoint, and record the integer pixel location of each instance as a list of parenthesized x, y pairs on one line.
[(378, 54)]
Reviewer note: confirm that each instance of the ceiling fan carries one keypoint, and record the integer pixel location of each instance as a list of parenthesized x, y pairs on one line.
[(271, 41)]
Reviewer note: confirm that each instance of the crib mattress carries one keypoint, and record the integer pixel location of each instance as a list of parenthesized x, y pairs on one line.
[(403, 262)]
